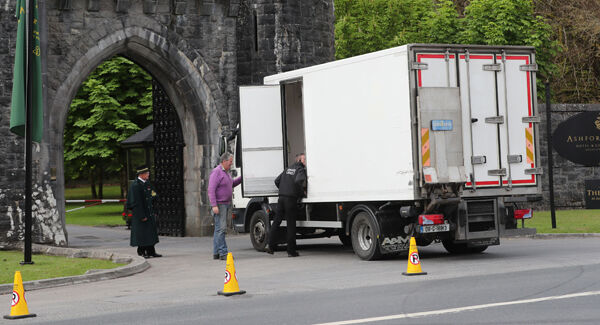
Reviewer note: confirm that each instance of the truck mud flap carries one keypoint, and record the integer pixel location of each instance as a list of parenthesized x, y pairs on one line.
[(394, 239)]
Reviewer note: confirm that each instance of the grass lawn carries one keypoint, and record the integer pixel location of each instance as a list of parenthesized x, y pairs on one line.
[(567, 221), (85, 193), (106, 214), (46, 267)]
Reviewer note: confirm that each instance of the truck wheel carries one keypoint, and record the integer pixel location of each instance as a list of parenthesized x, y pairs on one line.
[(462, 248), (455, 248), (259, 230), (364, 237), (345, 239), (477, 249)]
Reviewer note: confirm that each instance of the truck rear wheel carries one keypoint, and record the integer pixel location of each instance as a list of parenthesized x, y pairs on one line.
[(364, 237), (259, 230), (461, 248)]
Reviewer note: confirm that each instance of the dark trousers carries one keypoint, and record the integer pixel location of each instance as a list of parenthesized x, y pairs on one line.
[(286, 207)]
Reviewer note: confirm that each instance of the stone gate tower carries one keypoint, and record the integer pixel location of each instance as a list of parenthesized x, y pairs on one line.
[(198, 50)]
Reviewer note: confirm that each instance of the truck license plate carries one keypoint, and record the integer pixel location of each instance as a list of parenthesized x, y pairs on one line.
[(435, 228)]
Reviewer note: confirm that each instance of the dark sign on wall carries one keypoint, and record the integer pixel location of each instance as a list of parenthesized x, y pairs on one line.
[(578, 139), (592, 194)]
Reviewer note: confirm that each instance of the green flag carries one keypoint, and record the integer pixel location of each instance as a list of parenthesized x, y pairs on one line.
[(19, 91)]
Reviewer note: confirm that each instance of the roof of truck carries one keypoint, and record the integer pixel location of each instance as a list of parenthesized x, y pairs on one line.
[(294, 75)]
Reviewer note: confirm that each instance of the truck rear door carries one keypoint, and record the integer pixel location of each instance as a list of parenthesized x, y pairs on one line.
[(262, 139), (496, 98), (481, 119), (517, 136)]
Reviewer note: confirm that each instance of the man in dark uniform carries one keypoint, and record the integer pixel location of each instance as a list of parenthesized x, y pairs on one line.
[(292, 184), (143, 223)]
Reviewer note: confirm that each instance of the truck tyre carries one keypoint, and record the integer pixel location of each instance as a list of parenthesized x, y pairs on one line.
[(477, 249), (462, 248), (259, 230), (455, 248), (364, 237), (345, 239)]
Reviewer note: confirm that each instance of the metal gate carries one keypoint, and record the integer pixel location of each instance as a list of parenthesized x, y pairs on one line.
[(168, 165)]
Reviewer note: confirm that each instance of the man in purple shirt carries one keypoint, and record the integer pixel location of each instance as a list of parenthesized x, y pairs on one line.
[(220, 191)]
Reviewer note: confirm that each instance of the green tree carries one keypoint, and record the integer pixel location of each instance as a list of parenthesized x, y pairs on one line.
[(112, 104), (364, 26)]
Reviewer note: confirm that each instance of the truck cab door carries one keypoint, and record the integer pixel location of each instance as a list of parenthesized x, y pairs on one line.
[(262, 139)]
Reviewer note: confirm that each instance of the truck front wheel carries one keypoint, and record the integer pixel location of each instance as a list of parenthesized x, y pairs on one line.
[(364, 237), (259, 230)]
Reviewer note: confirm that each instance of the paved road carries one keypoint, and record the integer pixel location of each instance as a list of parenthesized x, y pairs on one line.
[(329, 284)]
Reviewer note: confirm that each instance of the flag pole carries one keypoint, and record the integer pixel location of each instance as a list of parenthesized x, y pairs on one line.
[(28, 135)]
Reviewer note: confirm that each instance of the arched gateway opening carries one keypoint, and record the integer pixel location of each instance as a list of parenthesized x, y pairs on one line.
[(184, 141)]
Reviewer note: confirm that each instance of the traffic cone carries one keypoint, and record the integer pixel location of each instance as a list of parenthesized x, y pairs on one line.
[(18, 306), (414, 263), (231, 286)]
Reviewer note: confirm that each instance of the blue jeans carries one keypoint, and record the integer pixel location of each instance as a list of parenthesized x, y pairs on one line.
[(219, 244)]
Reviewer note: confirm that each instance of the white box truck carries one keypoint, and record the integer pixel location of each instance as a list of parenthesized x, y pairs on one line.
[(432, 141)]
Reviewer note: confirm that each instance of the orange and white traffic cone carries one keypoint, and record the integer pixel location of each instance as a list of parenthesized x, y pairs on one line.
[(18, 306), (414, 263), (231, 286)]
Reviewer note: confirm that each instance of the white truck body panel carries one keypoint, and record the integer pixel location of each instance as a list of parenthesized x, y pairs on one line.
[(348, 137), (366, 139)]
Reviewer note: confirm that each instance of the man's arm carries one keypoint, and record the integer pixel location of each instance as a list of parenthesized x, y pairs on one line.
[(278, 179), (213, 182)]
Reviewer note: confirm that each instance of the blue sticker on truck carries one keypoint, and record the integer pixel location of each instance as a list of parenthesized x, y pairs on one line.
[(441, 125)]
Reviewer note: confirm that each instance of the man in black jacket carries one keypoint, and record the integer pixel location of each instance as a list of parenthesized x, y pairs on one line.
[(292, 187)]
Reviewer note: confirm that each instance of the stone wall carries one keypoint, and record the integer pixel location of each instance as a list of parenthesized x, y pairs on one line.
[(568, 177), (278, 36)]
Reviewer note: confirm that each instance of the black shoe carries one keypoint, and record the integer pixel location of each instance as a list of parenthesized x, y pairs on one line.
[(146, 256), (269, 250), (223, 257), (156, 255), (215, 256), (293, 254)]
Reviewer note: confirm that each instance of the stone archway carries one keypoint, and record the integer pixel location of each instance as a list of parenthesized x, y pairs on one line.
[(188, 83)]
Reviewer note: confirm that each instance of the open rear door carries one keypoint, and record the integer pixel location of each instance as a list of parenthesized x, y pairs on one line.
[(262, 139)]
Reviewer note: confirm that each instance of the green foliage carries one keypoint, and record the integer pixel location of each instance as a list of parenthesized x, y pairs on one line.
[(47, 267), (576, 27), (364, 26), (111, 105)]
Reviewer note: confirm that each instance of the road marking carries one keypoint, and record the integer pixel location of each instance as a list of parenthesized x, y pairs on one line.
[(461, 309)]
